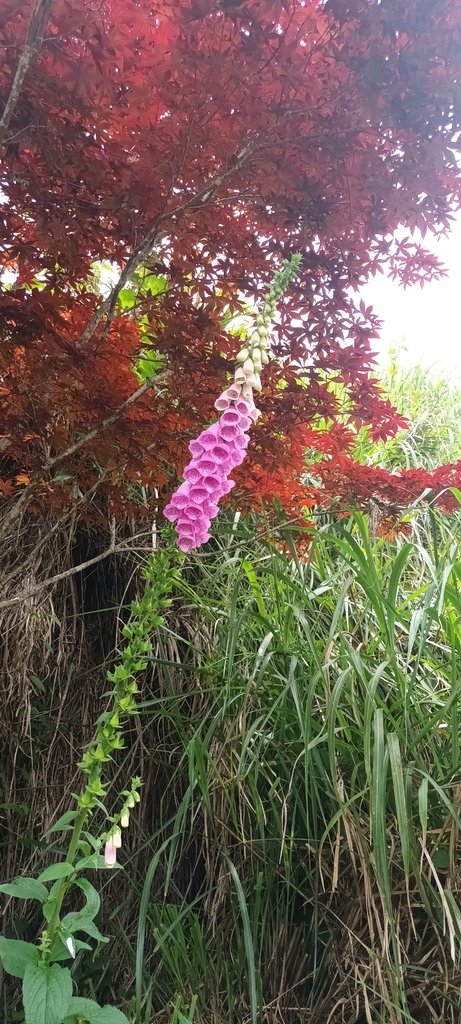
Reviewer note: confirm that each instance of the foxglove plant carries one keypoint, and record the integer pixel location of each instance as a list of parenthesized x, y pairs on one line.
[(47, 985), (222, 446)]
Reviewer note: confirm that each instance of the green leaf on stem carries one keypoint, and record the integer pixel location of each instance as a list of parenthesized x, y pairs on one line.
[(83, 920), (16, 955), (62, 870), (25, 889), (63, 823), (90, 1011), (46, 993)]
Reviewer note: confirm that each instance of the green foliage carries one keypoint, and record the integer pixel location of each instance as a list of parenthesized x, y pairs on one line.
[(136, 299), (47, 987), (304, 853), (87, 1010), (16, 955), (431, 403), (314, 713), (46, 993)]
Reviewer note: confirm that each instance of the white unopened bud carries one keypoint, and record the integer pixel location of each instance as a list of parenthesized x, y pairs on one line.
[(71, 946), (239, 375), (264, 358), (125, 819), (248, 366), (257, 360), (117, 838), (110, 853), (243, 354), (251, 380)]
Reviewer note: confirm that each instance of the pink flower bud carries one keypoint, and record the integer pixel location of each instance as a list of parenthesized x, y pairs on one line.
[(110, 853)]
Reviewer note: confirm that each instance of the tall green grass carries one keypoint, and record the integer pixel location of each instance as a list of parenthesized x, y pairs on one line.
[(296, 855), (431, 403), (305, 860)]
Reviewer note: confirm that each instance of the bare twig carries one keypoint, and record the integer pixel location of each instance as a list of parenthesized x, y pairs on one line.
[(34, 39), (32, 591), (150, 383), (106, 309), (27, 493)]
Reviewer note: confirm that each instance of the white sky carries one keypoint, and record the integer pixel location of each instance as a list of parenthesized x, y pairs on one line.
[(423, 323)]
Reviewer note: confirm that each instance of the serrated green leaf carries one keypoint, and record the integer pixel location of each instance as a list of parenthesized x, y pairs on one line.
[(126, 298), (16, 955), (46, 993), (83, 920), (25, 889), (95, 1014), (77, 922)]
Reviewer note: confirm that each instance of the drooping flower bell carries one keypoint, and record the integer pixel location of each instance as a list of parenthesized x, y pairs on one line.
[(222, 446), (215, 453), (110, 853), (113, 843)]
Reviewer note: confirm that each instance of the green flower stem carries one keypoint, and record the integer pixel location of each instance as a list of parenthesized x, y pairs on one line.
[(161, 575), (53, 925), (256, 350)]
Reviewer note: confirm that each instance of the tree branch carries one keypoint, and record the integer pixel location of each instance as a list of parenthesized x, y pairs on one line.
[(107, 308), (32, 591), (34, 39), (150, 383), (20, 505)]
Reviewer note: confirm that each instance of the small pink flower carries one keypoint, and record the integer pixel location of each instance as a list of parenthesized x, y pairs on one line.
[(211, 509), (228, 432), (243, 406), (208, 464), (198, 494), (238, 456), (211, 482), (231, 416), (192, 474), (222, 403), (242, 441), (228, 485), (208, 438)]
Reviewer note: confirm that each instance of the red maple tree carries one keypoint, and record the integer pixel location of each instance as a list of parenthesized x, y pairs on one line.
[(201, 142)]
